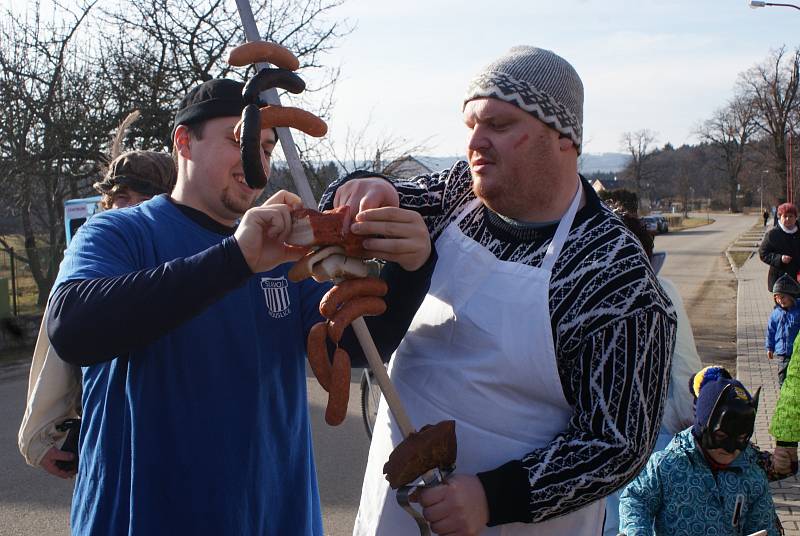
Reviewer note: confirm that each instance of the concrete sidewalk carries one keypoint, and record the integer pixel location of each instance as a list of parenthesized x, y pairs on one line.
[(754, 304)]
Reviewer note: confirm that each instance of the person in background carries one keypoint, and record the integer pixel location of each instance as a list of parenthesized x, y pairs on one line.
[(775, 464), (780, 247), (136, 176), (707, 480), (679, 410), (53, 405), (783, 323), (785, 423)]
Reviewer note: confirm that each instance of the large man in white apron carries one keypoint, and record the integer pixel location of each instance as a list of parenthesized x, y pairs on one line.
[(544, 333)]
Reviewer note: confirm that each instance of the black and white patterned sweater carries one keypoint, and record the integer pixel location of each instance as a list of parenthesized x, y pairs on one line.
[(613, 330)]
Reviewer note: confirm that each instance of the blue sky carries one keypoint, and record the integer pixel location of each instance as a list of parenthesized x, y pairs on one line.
[(663, 65)]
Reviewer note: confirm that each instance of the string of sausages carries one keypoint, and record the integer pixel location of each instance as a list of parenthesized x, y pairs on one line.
[(341, 305), (334, 255), (255, 118)]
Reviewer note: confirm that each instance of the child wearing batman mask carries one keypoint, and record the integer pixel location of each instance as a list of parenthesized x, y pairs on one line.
[(782, 462), (707, 480)]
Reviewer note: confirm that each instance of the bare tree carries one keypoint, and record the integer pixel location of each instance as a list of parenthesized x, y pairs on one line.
[(324, 163), (639, 145), (670, 174), (729, 131), (363, 149), (67, 84), (165, 47), (53, 134), (690, 175), (772, 88)]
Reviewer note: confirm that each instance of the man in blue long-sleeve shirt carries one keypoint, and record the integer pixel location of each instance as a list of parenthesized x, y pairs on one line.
[(192, 343)]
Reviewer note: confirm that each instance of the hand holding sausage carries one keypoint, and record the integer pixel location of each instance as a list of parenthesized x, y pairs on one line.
[(261, 236), (404, 236), (364, 194)]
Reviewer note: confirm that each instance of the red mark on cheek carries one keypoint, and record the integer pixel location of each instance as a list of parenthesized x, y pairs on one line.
[(522, 140)]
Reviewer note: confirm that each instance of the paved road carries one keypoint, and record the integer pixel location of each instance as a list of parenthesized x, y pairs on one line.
[(32, 502), (696, 263)]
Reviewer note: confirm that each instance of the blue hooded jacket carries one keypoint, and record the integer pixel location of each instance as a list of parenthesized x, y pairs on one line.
[(677, 495), (782, 329)]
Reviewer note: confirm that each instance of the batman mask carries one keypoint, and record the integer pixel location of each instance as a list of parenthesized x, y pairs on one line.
[(734, 414)]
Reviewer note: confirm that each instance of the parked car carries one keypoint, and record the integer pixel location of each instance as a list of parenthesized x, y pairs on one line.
[(663, 224), (650, 224)]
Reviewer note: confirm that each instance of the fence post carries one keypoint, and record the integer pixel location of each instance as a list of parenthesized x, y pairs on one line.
[(13, 280)]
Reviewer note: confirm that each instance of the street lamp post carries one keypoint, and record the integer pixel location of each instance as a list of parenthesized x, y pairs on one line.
[(755, 4)]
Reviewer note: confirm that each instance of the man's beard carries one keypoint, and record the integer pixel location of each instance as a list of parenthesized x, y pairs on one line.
[(236, 204), (514, 201)]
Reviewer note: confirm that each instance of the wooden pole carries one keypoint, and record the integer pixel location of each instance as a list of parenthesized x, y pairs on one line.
[(270, 96), (303, 187)]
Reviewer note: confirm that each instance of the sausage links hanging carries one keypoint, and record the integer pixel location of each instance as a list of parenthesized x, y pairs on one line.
[(358, 292), (255, 118)]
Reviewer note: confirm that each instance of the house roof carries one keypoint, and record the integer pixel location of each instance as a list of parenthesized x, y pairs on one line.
[(409, 166), (598, 186)]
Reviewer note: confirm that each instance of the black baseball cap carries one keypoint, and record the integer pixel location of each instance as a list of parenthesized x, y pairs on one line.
[(211, 99)]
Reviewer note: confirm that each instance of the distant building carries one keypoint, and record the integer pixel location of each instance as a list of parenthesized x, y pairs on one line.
[(610, 182), (406, 167)]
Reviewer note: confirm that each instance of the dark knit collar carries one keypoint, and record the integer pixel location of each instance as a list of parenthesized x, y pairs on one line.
[(203, 220), (511, 230)]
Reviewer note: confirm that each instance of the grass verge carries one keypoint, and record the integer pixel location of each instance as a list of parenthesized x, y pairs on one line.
[(739, 257), (691, 223), (27, 290)]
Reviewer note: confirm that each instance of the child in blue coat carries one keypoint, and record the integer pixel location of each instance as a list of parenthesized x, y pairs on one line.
[(707, 480), (784, 322)]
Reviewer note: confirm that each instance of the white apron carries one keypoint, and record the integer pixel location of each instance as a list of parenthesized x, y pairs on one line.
[(480, 351)]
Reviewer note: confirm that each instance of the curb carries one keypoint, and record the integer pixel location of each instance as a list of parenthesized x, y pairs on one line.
[(734, 268), (752, 249)]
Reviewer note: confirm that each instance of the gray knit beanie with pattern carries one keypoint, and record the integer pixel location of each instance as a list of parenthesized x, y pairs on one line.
[(540, 82)]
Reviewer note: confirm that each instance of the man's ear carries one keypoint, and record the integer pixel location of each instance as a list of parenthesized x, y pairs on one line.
[(564, 143), (181, 141)]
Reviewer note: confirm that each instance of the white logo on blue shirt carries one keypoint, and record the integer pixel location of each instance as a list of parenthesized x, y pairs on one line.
[(276, 293)]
